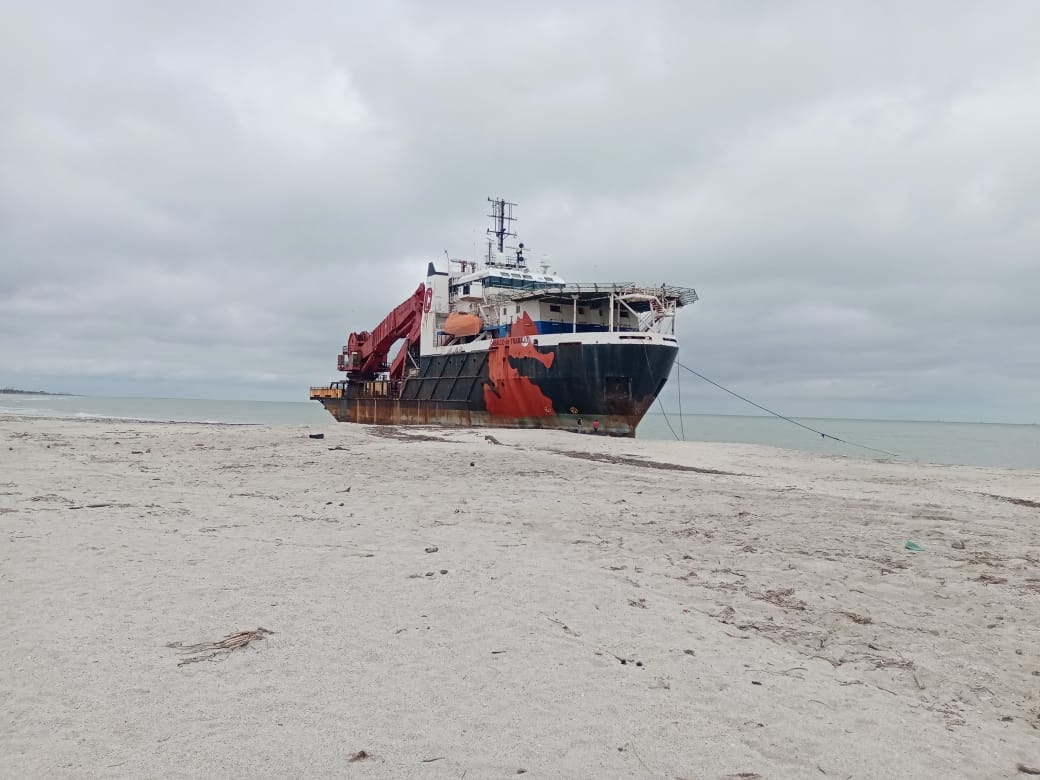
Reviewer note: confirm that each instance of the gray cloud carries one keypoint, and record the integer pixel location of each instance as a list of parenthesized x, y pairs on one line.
[(207, 200)]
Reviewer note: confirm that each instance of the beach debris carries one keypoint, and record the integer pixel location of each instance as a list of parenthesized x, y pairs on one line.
[(863, 620), (444, 571), (1018, 501), (432, 549), (564, 626), (205, 651), (726, 614), (989, 579), (646, 464), (316, 435), (51, 497), (957, 544), (783, 598), (913, 547), (627, 661), (361, 755), (641, 603), (431, 760), (492, 439), (1027, 770)]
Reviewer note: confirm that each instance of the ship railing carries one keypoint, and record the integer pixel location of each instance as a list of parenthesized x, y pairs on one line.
[(651, 308), (682, 296), (375, 388)]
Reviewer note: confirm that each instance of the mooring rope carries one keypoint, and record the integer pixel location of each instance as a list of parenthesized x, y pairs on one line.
[(678, 384), (777, 414), (646, 356)]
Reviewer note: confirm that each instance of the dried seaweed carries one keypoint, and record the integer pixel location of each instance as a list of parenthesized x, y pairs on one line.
[(1018, 501), (207, 651), (646, 464)]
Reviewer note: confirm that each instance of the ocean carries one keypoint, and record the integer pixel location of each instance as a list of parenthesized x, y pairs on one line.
[(966, 444)]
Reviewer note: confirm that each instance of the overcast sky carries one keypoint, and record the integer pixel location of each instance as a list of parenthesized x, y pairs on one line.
[(203, 199)]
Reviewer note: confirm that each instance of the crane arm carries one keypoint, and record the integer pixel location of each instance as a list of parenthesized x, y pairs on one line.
[(366, 352)]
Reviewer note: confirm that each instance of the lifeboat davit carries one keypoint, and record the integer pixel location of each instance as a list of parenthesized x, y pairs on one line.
[(461, 324)]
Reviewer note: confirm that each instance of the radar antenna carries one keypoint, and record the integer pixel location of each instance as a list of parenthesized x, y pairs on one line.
[(501, 215)]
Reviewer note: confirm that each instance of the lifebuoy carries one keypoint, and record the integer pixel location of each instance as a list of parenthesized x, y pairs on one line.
[(428, 301)]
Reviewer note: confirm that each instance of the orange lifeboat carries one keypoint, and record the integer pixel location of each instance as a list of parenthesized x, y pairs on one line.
[(460, 324)]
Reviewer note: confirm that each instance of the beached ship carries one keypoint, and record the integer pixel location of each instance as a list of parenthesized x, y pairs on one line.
[(498, 344)]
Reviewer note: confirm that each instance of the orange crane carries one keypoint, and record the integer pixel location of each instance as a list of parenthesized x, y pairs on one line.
[(366, 353)]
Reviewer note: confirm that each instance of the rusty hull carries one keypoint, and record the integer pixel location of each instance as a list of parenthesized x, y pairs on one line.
[(386, 411)]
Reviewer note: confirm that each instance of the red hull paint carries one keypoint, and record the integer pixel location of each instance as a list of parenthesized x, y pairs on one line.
[(509, 394)]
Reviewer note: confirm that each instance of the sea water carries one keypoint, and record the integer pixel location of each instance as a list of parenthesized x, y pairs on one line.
[(194, 410), (968, 444), (951, 443)]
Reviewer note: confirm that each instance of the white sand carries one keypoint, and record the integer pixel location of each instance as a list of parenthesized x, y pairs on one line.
[(781, 627)]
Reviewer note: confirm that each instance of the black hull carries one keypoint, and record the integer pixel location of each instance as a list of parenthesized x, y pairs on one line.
[(518, 384)]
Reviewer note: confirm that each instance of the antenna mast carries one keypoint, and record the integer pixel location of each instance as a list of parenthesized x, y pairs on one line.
[(501, 215)]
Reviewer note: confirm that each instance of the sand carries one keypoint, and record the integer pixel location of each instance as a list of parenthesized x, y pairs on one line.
[(444, 606)]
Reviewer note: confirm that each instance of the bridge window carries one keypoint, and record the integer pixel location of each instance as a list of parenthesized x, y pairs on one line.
[(554, 307)]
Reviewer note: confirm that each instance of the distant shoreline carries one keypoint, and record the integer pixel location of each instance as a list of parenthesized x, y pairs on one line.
[(13, 391)]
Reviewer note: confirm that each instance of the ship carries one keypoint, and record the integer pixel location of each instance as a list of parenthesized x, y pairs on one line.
[(498, 344)]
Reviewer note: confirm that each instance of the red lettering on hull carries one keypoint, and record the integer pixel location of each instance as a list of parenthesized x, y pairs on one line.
[(509, 394)]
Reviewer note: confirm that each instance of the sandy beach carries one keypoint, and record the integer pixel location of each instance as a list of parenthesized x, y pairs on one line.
[(445, 605)]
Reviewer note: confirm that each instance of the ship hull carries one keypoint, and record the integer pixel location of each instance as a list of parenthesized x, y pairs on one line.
[(517, 383)]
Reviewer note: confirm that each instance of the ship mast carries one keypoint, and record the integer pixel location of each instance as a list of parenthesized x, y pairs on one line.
[(501, 217)]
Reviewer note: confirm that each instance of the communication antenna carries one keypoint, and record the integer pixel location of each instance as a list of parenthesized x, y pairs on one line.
[(501, 215)]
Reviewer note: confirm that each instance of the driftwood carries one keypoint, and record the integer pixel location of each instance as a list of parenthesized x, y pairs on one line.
[(206, 651)]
